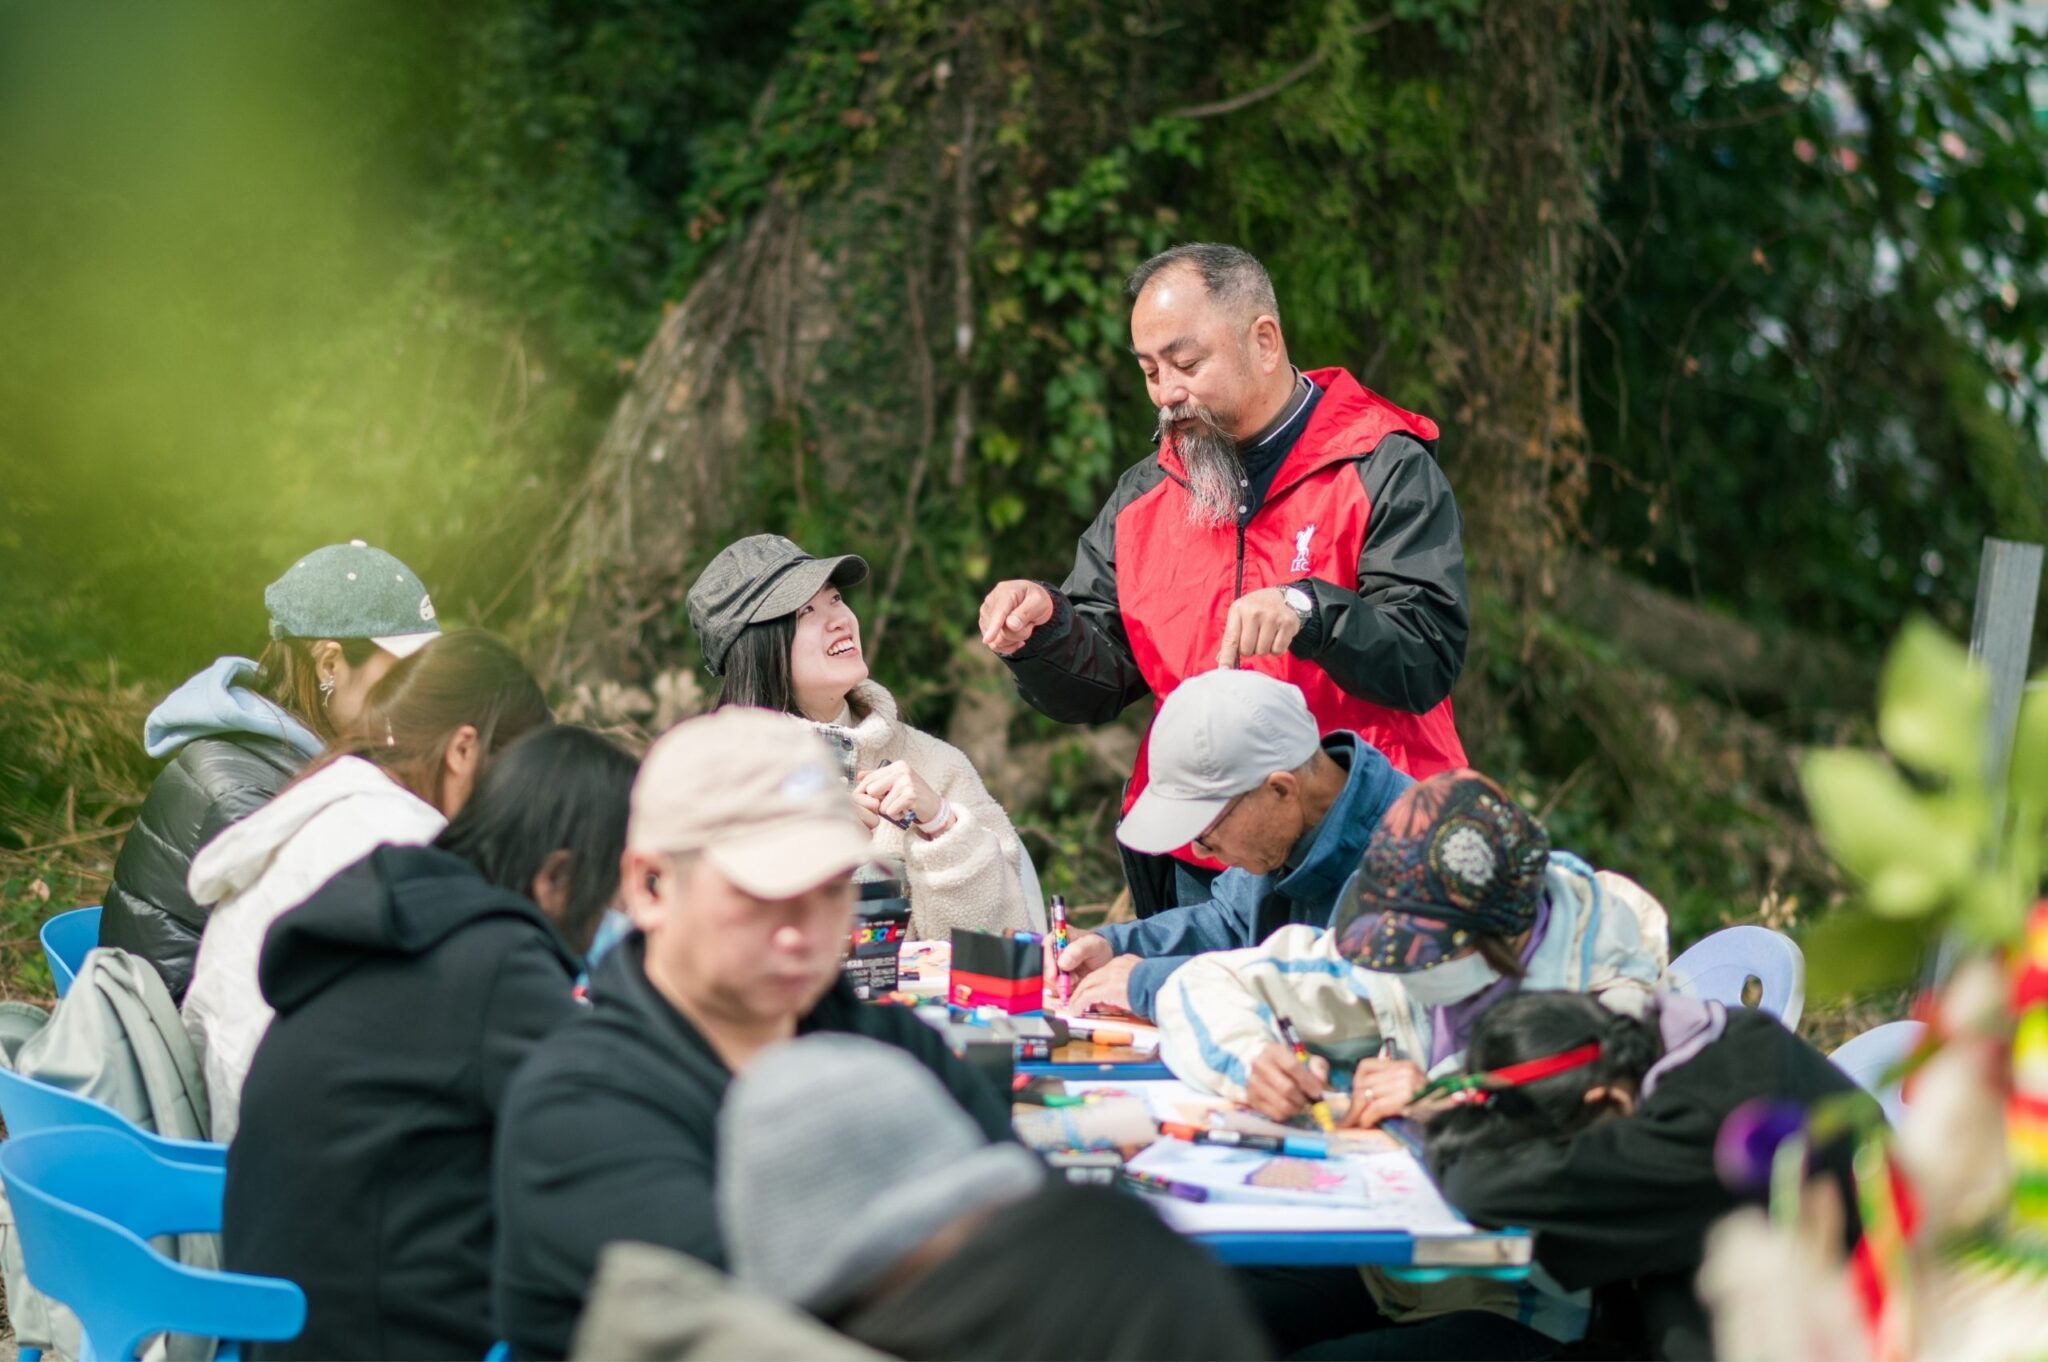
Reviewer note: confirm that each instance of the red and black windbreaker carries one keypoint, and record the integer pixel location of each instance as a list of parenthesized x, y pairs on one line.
[(1358, 511)]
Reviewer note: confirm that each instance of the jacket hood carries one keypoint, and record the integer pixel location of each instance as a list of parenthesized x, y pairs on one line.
[(234, 860), (399, 901), (1339, 840), (655, 1302), (214, 703)]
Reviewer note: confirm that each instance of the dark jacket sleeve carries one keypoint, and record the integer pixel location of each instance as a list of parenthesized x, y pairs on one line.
[(532, 994), (582, 1164), (900, 1027), (1077, 667), (1399, 640), (1624, 1199)]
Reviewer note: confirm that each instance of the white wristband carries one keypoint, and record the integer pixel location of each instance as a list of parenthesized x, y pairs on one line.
[(939, 819)]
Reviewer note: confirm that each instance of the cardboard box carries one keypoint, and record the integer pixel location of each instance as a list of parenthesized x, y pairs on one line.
[(995, 970)]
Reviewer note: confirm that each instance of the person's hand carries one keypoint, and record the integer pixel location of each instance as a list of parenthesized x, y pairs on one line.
[(1258, 624), (1280, 1087), (1011, 612), (1381, 1088), (893, 790), (1084, 955), (1108, 985)]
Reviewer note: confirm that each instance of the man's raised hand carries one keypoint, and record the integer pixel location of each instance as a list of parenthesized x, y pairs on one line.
[(1011, 612), (1258, 625)]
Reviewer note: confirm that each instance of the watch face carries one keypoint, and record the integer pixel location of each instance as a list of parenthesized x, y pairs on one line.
[(1297, 599)]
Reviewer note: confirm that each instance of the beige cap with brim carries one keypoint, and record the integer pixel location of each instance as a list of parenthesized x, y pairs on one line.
[(759, 794)]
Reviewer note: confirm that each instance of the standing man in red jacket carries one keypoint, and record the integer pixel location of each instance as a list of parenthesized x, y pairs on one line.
[(1289, 522)]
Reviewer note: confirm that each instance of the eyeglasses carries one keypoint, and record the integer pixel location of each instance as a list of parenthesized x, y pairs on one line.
[(1202, 842)]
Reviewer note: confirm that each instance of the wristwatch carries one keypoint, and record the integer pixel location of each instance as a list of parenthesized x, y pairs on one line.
[(1300, 602)]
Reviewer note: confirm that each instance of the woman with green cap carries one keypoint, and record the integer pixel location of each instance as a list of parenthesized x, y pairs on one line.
[(237, 731), (775, 626)]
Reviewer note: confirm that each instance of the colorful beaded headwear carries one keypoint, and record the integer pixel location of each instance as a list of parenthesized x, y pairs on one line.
[(1453, 859)]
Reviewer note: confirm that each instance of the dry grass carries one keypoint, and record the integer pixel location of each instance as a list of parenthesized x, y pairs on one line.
[(72, 773)]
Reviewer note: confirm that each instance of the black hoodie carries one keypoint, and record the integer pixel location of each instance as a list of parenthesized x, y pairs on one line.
[(407, 990), (611, 1133)]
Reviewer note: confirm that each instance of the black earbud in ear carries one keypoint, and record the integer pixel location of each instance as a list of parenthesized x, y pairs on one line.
[(652, 881)]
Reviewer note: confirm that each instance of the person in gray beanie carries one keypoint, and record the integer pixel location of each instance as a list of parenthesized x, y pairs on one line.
[(907, 1170), (866, 1216)]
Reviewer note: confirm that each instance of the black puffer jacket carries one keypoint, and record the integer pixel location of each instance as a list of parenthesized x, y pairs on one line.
[(211, 783)]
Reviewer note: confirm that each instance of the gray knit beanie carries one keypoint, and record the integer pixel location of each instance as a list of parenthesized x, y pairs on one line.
[(837, 1156)]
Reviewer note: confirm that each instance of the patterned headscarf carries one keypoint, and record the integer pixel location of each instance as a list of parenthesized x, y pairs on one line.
[(1453, 859)]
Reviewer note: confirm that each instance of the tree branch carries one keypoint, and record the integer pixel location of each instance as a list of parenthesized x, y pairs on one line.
[(1280, 82)]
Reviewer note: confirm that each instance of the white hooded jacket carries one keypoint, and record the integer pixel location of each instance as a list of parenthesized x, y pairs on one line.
[(254, 873)]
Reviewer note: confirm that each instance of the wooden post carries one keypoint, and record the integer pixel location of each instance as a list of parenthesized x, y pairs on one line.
[(2001, 636)]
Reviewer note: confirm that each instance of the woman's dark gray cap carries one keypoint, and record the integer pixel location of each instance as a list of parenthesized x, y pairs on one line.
[(762, 577)]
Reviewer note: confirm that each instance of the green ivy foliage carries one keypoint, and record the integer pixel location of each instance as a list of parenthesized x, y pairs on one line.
[(1815, 336)]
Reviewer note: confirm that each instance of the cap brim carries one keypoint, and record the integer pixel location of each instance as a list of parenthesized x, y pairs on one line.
[(405, 645), (1391, 940), (804, 581), (784, 860), (1156, 824)]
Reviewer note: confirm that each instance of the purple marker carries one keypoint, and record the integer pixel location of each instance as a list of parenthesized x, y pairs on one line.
[(1152, 1182)]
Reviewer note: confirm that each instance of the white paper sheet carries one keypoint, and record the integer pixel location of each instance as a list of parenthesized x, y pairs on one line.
[(1385, 1187)]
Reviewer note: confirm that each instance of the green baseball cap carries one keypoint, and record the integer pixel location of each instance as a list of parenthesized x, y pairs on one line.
[(352, 591), (762, 577)]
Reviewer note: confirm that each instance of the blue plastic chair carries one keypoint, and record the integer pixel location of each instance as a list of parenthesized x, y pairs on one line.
[(1721, 967), (87, 1200), (29, 1104), (1872, 1057), (66, 939)]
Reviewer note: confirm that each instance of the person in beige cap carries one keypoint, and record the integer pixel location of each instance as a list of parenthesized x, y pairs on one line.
[(740, 849)]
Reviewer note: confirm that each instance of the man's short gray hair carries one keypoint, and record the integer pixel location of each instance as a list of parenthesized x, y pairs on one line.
[(1233, 276)]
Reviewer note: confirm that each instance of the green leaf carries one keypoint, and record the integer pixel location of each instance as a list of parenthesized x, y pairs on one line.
[(2029, 770), (1850, 953), (1933, 704), (1911, 849), (1991, 908)]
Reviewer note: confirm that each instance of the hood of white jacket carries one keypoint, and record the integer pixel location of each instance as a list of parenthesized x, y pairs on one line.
[(235, 860)]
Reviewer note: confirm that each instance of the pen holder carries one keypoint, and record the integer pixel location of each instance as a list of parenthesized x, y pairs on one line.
[(993, 970)]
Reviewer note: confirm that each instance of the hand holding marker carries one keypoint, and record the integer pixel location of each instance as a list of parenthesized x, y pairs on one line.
[(1319, 1107)]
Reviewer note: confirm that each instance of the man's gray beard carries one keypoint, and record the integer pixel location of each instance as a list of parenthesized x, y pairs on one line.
[(1210, 462)]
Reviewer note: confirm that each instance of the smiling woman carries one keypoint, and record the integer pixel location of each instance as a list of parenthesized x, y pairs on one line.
[(776, 625)]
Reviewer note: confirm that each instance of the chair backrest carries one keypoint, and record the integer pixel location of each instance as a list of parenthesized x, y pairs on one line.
[(1034, 893), (86, 1201), (66, 938), (1870, 1058), (29, 1104), (1723, 967)]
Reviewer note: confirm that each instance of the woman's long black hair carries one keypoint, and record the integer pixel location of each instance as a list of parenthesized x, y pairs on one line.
[(560, 788), (757, 667), (1536, 1025)]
